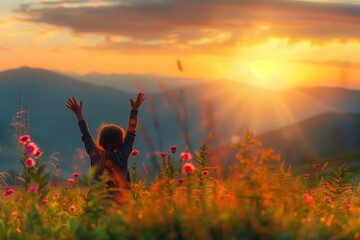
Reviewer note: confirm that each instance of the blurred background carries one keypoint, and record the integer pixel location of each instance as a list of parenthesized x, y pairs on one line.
[(288, 70)]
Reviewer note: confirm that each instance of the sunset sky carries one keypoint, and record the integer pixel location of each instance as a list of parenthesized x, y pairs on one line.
[(269, 43)]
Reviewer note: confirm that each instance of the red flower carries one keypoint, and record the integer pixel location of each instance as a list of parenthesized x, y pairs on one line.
[(71, 180), (135, 152), (308, 199), (317, 165), (25, 139), (327, 184), (8, 191), (45, 202), (180, 180), (173, 149), (38, 154), (205, 172), (215, 169), (72, 208), (188, 168), (163, 154), (306, 175), (186, 156), (29, 162), (76, 174), (327, 198)]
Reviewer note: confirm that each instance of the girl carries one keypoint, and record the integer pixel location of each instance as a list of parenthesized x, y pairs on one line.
[(112, 149)]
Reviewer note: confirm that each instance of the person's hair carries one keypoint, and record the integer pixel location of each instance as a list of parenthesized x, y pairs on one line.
[(110, 138)]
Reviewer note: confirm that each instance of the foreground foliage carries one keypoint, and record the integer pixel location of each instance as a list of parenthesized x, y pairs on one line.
[(259, 199)]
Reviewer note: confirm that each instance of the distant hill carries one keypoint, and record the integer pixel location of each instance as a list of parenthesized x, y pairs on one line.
[(222, 108), (317, 138), (132, 82)]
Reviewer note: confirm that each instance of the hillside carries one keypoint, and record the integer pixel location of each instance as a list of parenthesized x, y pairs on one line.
[(221, 108)]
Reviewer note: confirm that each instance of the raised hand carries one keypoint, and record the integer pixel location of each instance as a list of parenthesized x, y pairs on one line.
[(139, 100), (74, 106)]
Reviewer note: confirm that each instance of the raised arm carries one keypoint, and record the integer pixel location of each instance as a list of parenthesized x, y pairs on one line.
[(90, 146), (134, 110), (126, 148)]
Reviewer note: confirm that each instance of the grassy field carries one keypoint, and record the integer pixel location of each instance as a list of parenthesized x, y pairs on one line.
[(259, 200)]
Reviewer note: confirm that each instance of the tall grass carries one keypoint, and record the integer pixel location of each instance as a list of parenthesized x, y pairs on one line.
[(259, 199)]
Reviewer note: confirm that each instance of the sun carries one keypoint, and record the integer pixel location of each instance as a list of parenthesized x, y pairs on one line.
[(263, 69)]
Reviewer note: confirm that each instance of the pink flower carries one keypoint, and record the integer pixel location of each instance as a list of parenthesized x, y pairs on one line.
[(31, 148), (72, 208), (327, 198), (163, 154), (33, 189), (327, 184), (45, 202), (25, 139), (173, 149), (29, 162), (38, 154), (197, 191), (186, 156), (180, 180), (71, 180), (306, 175), (205, 172), (76, 174), (135, 152), (188, 168), (346, 199), (349, 191), (348, 206)]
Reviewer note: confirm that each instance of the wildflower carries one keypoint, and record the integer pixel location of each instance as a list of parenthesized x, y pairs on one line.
[(188, 168), (135, 152), (72, 208), (25, 139), (327, 199), (308, 199), (186, 156), (215, 168), (163, 154), (71, 180), (327, 184), (29, 162), (173, 149), (31, 148), (8, 191), (33, 189), (56, 195), (38, 154), (306, 176), (346, 199), (205, 172), (66, 188), (76, 174), (45, 202), (180, 180), (197, 191), (55, 184), (317, 165), (348, 191), (348, 206)]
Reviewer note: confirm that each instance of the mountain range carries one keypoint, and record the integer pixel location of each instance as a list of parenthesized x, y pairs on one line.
[(221, 109)]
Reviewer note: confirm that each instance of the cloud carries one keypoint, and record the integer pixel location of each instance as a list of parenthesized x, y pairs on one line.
[(188, 24)]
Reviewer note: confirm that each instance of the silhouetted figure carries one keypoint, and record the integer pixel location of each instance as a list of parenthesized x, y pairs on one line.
[(112, 148)]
